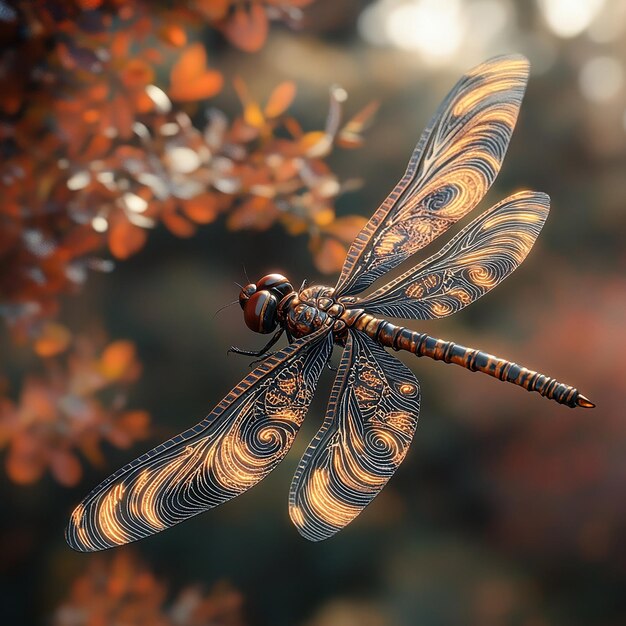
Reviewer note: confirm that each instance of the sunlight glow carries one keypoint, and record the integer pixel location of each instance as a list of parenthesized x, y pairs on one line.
[(99, 224), (134, 203), (435, 28), (601, 78), (569, 18)]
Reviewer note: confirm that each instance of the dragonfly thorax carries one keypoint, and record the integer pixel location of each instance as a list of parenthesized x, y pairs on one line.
[(260, 300)]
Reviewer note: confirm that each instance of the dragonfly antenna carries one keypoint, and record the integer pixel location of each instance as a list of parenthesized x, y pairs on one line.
[(245, 273), (224, 307)]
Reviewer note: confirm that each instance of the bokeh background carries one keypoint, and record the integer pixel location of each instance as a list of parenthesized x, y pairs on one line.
[(508, 510)]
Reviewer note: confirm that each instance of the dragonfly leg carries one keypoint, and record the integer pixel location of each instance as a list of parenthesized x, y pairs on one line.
[(289, 335), (305, 282), (262, 351)]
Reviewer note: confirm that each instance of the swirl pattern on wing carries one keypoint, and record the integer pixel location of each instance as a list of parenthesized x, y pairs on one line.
[(482, 255), (454, 164), (370, 421), (238, 444)]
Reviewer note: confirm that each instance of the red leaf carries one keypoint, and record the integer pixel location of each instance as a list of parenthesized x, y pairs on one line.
[(330, 256), (346, 228), (135, 423), (117, 359), (280, 99), (174, 35), (53, 339), (247, 29), (178, 225), (190, 78), (65, 467), (125, 239), (202, 209), (26, 460), (255, 213)]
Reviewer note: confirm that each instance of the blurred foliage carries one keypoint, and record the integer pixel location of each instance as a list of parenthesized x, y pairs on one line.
[(508, 510), (121, 590), (78, 400), (96, 153)]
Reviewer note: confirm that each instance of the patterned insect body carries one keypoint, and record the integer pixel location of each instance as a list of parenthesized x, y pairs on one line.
[(374, 403)]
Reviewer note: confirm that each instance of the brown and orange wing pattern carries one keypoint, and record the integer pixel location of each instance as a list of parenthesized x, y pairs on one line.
[(454, 164), (482, 255), (237, 445), (370, 422)]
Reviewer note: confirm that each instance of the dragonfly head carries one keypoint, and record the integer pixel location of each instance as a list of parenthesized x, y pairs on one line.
[(260, 302)]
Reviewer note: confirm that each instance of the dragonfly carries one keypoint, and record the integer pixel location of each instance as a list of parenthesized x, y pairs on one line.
[(374, 402)]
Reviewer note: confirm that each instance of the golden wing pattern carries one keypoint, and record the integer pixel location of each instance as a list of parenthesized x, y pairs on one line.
[(454, 164), (370, 421), (238, 444), (482, 255)]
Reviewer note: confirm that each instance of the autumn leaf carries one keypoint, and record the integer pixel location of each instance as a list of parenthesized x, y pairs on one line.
[(117, 359), (53, 339), (178, 225), (315, 144), (26, 460), (202, 209), (65, 467), (350, 135), (136, 423), (125, 239), (173, 34), (256, 213), (252, 114), (190, 78), (329, 255), (247, 28), (346, 228), (280, 99)]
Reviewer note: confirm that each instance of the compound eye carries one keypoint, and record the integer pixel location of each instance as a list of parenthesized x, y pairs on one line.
[(245, 293), (259, 312), (276, 283)]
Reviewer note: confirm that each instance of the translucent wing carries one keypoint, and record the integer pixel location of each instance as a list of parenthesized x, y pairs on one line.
[(238, 444), (370, 421), (454, 164), (482, 255)]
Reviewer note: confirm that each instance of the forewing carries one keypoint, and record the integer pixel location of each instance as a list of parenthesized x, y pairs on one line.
[(238, 444), (482, 255), (370, 421), (454, 164)]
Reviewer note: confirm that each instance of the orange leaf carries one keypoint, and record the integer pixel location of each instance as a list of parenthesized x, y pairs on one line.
[(212, 10), (350, 135), (26, 460), (125, 239), (247, 29), (135, 423), (346, 228), (53, 339), (359, 122), (256, 213), (174, 35), (252, 114), (330, 256), (178, 225), (65, 467), (280, 99), (116, 360), (190, 78), (315, 144), (136, 73), (202, 209)]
